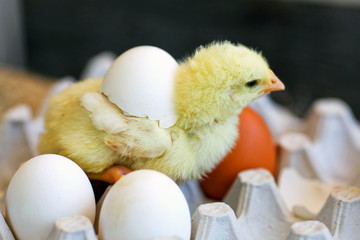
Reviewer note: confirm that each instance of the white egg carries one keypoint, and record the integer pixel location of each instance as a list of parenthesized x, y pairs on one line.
[(144, 204), (44, 189), (141, 82)]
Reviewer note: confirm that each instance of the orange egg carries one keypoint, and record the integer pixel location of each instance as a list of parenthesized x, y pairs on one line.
[(255, 148)]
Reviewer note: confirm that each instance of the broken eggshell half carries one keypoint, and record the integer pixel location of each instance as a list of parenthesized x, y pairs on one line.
[(141, 83)]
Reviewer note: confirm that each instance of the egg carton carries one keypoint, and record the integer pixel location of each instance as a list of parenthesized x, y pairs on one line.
[(328, 146), (252, 209), (325, 145), (255, 209)]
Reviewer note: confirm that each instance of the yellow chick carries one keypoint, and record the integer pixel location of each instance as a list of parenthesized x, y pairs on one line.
[(211, 89)]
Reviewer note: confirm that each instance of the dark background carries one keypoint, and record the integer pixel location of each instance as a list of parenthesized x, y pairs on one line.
[(313, 48)]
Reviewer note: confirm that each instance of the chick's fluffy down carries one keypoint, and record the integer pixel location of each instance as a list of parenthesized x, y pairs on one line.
[(210, 90), (84, 126)]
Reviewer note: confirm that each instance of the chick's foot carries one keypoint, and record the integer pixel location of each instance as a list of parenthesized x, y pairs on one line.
[(110, 175)]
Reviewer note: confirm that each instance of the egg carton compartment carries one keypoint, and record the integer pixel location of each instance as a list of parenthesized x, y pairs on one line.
[(327, 148), (325, 145)]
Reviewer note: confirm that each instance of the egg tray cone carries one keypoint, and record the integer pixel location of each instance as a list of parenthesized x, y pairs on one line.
[(324, 147)]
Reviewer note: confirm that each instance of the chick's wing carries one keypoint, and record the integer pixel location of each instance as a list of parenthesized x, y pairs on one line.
[(128, 136)]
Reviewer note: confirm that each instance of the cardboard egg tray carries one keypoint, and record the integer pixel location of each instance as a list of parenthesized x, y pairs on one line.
[(315, 194), (252, 209)]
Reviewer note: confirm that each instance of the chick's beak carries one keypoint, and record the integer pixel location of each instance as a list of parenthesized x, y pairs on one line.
[(275, 84)]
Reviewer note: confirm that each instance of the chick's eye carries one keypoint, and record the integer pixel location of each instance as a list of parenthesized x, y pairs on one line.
[(252, 83)]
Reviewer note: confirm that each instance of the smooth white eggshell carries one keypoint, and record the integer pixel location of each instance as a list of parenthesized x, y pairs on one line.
[(44, 189), (141, 83), (144, 204)]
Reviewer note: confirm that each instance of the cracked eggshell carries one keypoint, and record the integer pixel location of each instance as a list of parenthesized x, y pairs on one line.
[(144, 204), (44, 189), (141, 83)]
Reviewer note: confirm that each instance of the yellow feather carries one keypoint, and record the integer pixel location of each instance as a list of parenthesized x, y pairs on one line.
[(210, 92)]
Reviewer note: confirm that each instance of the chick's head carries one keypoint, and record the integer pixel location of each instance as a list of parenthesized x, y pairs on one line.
[(218, 81)]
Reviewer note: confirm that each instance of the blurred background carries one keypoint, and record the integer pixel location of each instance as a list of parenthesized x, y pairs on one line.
[(312, 46)]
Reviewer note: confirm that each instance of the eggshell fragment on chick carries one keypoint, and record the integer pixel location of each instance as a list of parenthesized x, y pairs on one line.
[(43, 189), (144, 204), (141, 83)]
